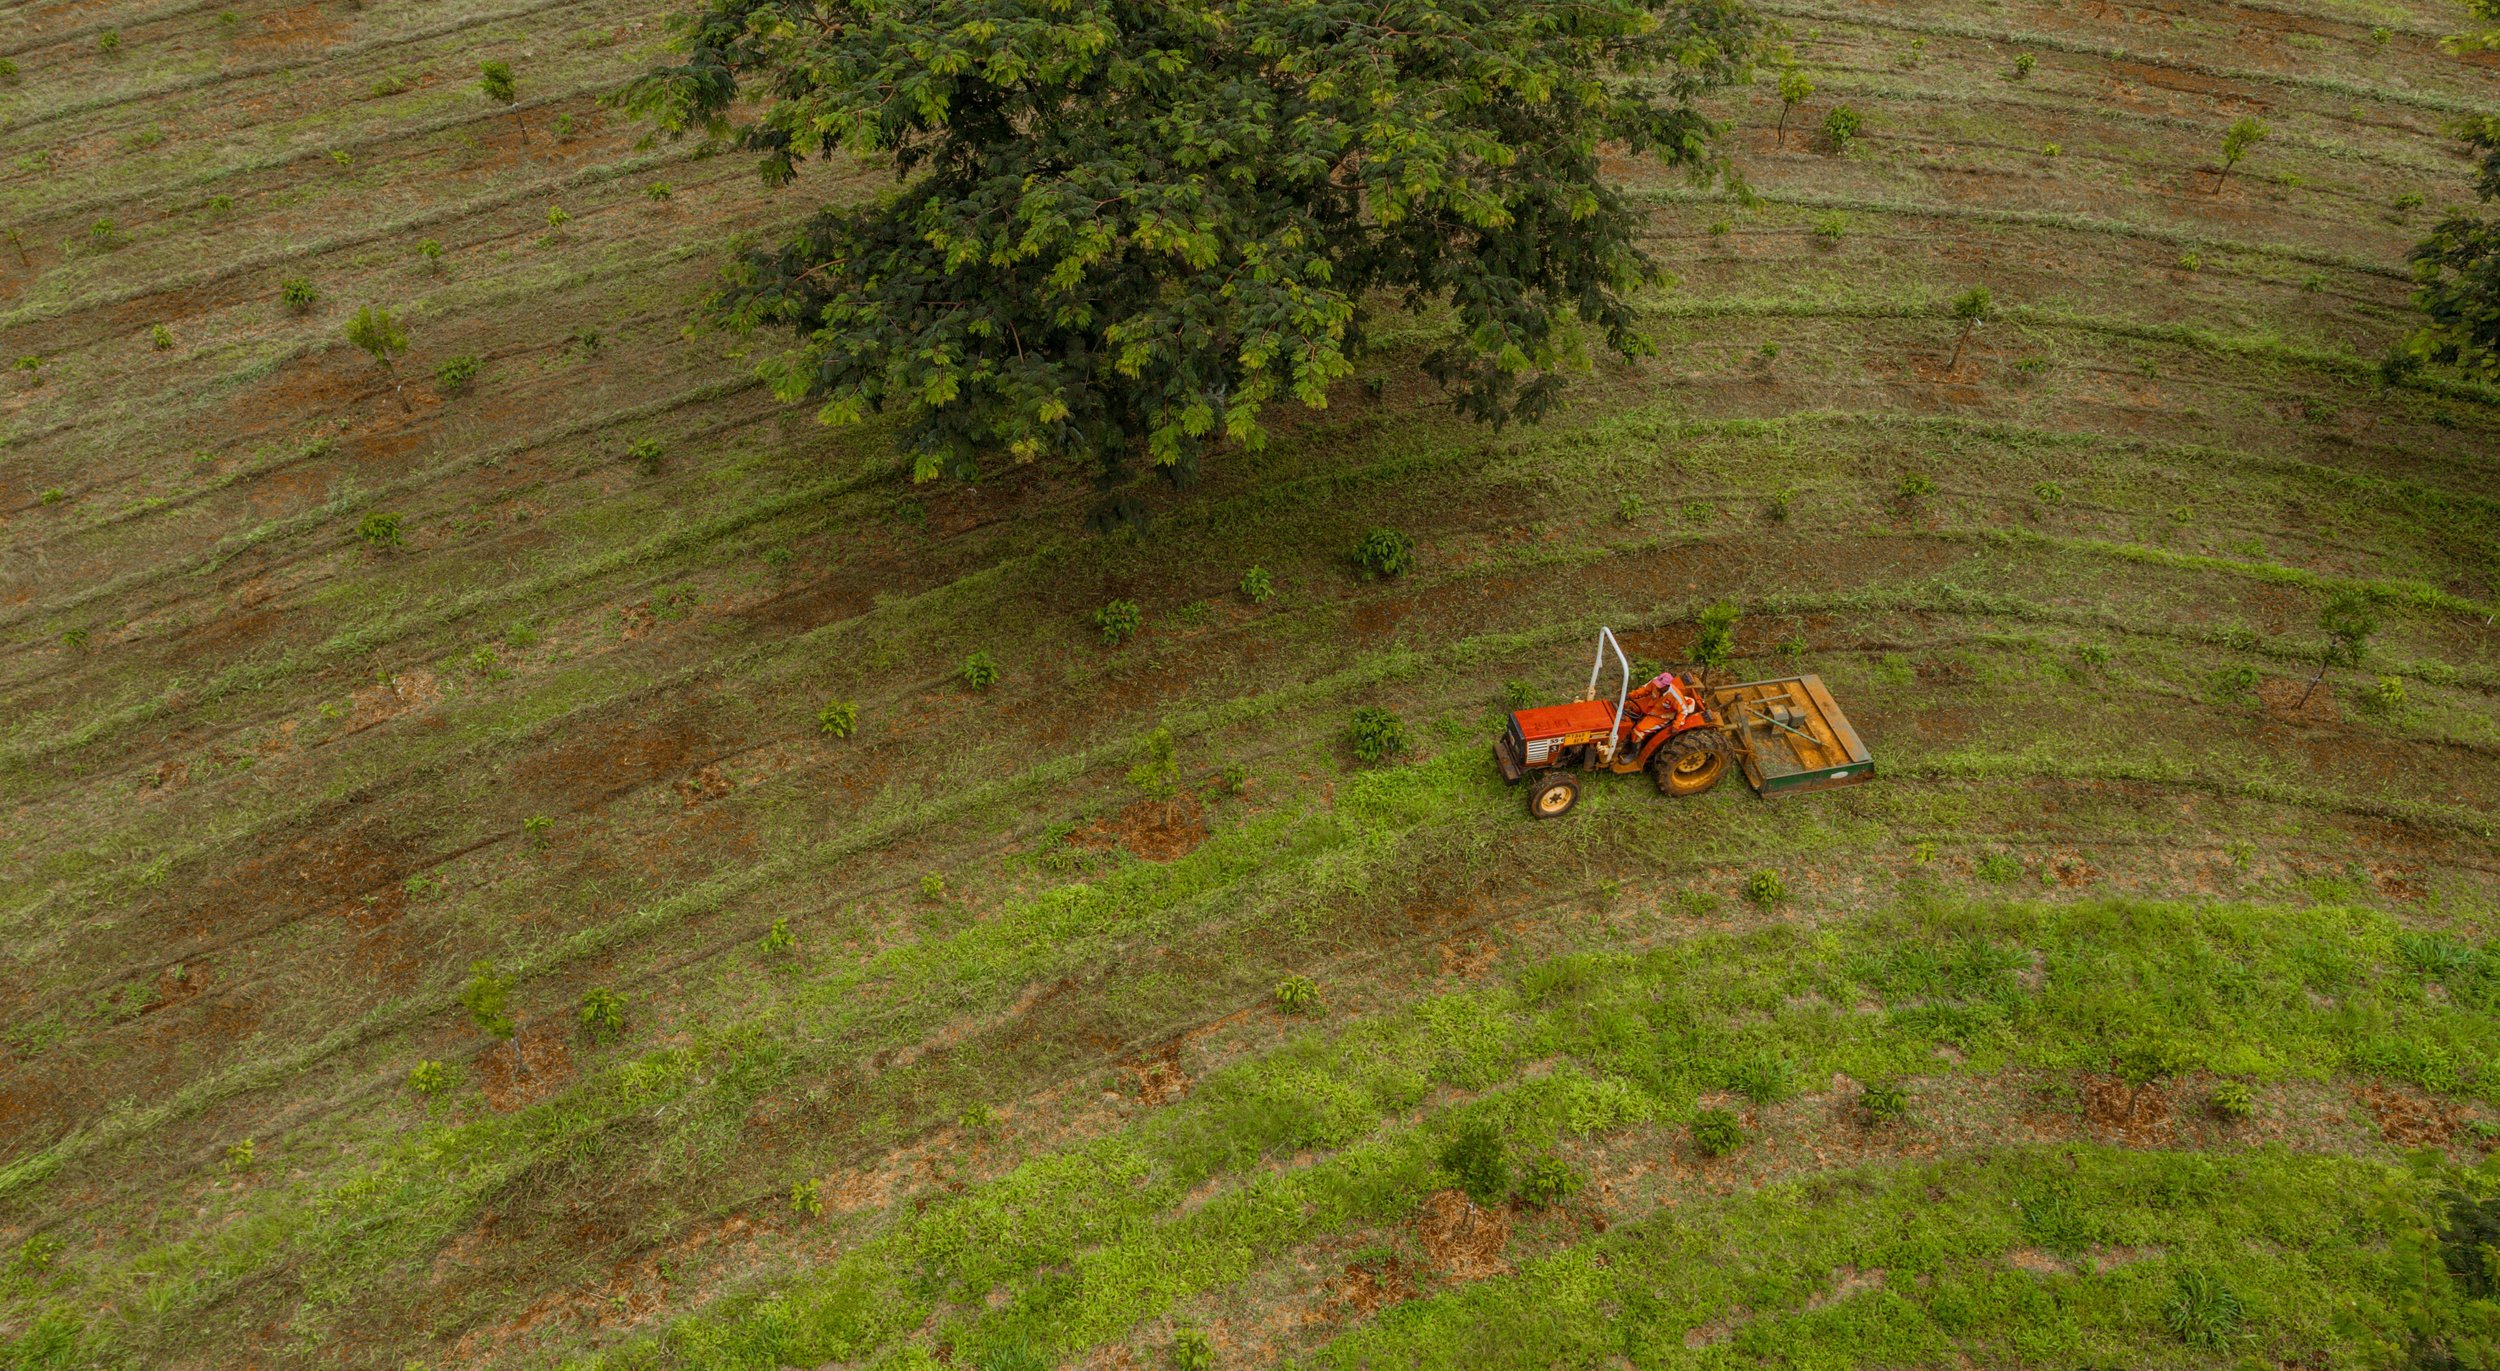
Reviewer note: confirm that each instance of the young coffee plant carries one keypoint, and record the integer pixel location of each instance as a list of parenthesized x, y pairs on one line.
[(603, 1015), (161, 338), (1766, 888), (455, 374), (1385, 552), (1297, 995), (2233, 1102), (1548, 1181), (429, 1079), (1192, 1350), (430, 253), (838, 719), (494, 81), (1157, 774), (379, 531), (1478, 1162), (297, 294), (646, 453), (488, 997), (1714, 642), (1915, 486), (2349, 620), (1119, 621), (2024, 64), (1716, 1133), (1257, 586), (979, 672), (1842, 126), (807, 1198), (778, 939), (1882, 1104), (1972, 307), (933, 887), (1375, 735)]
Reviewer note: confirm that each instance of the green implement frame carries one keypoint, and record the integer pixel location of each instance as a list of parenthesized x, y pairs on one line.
[(1791, 735)]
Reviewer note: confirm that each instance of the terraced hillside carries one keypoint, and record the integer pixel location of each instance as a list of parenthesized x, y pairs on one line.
[(2138, 1014)]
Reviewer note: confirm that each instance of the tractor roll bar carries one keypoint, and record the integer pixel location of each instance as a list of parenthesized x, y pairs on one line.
[(1605, 640)]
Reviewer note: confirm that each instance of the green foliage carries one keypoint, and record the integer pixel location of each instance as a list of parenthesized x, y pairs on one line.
[(1138, 231), (240, 1156), (487, 997), (1256, 586), (455, 373), (1842, 125), (109, 41), (1882, 1103), (1716, 1133), (494, 81), (2456, 272), (104, 235), (807, 1198), (647, 454), (1477, 1161), (1375, 735), (1973, 306), (2232, 1101), (837, 719), (1829, 228), (536, 827), (2024, 64), (1385, 552), (1157, 774), (658, 192), (1763, 1076), (1714, 643), (2202, 1311), (933, 887), (557, 218), (379, 530), (1119, 621), (779, 938), (161, 337), (2469, 1244), (2386, 695), (979, 672), (1765, 888), (1915, 485), (1548, 1181), (298, 294), (376, 334), (1795, 89), (1296, 994), (8, 71), (1192, 1350), (2049, 493), (1517, 695), (428, 1079), (1998, 868), (2245, 132), (603, 1015)]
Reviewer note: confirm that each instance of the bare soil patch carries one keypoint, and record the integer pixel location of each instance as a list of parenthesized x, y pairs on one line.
[(2406, 1117), (535, 1064), (1462, 1237), (1142, 829), (2282, 698)]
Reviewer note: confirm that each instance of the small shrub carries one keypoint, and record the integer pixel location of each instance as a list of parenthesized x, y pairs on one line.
[(603, 1015), (1999, 868), (239, 1156), (2052, 149), (1119, 621), (557, 218), (1548, 1181), (1297, 994), (455, 374), (488, 997), (1375, 734), (1715, 641), (379, 531), (563, 126), (1843, 126), (1915, 486), (1881, 1104), (838, 719), (297, 294), (109, 41), (646, 453), (658, 192), (52, 495), (2233, 1102), (74, 638), (161, 338), (1777, 508), (228, 22), (1385, 552), (2024, 64), (536, 827), (1517, 695), (1192, 1350), (1720, 228), (2093, 655), (1765, 888), (2386, 694), (1478, 1162), (342, 157), (429, 1079), (1630, 509), (807, 1198), (2049, 493), (1698, 511), (8, 71), (1257, 586), (2381, 36), (1716, 1133), (2202, 1312), (779, 938), (430, 252), (979, 672), (1831, 228), (104, 235), (933, 887)]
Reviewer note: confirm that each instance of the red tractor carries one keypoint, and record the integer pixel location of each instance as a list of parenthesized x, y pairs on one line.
[(1787, 734)]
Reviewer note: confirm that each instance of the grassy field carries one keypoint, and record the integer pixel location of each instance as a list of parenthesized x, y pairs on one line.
[(2138, 1014)]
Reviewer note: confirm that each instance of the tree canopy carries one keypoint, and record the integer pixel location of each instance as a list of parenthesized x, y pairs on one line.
[(1125, 227), (2458, 268)]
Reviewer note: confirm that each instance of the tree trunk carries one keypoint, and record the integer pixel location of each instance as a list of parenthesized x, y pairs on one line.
[(2221, 176), (2312, 690), (522, 127), (18, 241), (1782, 141), (1958, 344)]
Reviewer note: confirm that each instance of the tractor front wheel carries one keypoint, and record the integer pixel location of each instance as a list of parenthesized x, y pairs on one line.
[(1552, 795), (1689, 764)]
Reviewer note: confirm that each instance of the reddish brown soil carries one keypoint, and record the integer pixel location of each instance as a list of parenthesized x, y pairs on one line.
[(1142, 830), (1364, 1290), (535, 1064), (2124, 1109), (2406, 1116), (2281, 696), (1464, 1239)]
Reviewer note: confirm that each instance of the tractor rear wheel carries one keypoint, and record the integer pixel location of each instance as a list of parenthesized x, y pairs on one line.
[(1689, 764), (1551, 795)]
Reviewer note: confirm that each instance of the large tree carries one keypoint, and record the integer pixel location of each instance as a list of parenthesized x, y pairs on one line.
[(1125, 226), (2458, 268)]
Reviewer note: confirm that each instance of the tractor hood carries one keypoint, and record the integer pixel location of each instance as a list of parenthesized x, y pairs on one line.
[(1554, 721)]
